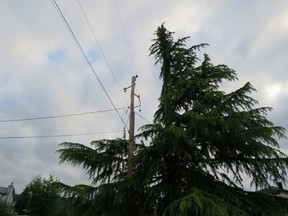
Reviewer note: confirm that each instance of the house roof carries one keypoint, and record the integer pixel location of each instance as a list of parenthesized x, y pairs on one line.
[(3, 190)]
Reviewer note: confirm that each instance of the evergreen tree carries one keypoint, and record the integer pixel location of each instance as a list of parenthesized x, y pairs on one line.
[(202, 142)]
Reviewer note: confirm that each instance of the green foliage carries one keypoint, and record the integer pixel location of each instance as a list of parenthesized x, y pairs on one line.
[(202, 203), (39, 197), (105, 163), (202, 141), (5, 209)]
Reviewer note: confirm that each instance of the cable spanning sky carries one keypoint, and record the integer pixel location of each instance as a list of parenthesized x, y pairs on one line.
[(43, 73)]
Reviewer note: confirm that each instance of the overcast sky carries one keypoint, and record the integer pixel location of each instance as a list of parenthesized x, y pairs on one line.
[(43, 72)]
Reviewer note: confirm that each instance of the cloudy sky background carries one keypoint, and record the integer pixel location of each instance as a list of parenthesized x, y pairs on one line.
[(43, 72)]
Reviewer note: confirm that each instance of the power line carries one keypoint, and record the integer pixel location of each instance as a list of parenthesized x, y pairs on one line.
[(142, 117), (58, 135), (88, 62), (57, 116), (125, 37), (100, 47)]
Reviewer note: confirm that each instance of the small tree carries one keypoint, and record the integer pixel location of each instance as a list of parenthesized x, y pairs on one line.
[(39, 197), (5, 209)]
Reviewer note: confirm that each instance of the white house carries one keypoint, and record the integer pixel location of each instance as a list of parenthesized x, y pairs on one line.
[(7, 194)]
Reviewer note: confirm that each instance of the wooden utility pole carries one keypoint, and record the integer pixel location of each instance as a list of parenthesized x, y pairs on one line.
[(131, 129)]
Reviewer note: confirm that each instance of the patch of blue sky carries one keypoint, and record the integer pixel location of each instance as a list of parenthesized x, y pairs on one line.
[(56, 55), (92, 56)]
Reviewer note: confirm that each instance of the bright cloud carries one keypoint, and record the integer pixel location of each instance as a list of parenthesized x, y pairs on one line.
[(274, 91)]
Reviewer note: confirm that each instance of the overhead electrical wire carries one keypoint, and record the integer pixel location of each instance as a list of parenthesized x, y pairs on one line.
[(100, 47), (57, 135), (57, 116), (142, 117), (86, 58), (130, 53), (125, 37)]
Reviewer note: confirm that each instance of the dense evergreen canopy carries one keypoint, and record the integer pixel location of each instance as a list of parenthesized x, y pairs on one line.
[(201, 143)]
